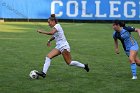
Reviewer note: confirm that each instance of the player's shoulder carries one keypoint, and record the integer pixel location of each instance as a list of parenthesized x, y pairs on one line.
[(123, 31), (57, 25)]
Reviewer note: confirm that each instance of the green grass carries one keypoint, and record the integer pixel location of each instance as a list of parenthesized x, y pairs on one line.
[(22, 49)]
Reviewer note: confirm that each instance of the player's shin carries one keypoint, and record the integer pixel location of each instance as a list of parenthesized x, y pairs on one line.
[(77, 64), (133, 69), (46, 65)]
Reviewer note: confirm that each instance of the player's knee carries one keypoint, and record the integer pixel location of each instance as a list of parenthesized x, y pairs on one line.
[(68, 63), (48, 57), (131, 59)]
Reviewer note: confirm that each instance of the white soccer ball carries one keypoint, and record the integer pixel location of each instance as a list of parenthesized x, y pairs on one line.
[(33, 74)]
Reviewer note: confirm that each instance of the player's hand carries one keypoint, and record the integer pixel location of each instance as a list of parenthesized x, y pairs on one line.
[(117, 51), (48, 44), (39, 31)]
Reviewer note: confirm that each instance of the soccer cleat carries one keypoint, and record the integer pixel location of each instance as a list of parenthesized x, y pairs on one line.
[(42, 74), (86, 67), (134, 77)]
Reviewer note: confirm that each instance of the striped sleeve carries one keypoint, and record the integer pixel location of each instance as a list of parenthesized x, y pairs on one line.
[(129, 28), (114, 35)]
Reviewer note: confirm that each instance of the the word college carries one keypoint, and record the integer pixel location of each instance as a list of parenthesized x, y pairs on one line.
[(96, 9)]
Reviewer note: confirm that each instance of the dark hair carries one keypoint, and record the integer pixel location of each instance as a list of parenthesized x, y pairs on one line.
[(122, 24), (118, 22), (53, 18)]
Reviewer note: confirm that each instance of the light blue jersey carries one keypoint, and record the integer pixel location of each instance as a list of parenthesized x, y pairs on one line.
[(128, 42)]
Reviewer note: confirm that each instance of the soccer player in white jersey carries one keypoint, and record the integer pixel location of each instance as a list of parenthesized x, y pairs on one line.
[(62, 47)]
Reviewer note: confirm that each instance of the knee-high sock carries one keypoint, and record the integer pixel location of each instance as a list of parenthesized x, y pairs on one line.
[(46, 65), (133, 69), (77, 64)]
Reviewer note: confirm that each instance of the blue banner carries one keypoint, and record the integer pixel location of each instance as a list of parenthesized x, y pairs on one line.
[(71, 9)]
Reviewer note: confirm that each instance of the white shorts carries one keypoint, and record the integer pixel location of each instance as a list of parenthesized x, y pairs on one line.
[(61, 48)]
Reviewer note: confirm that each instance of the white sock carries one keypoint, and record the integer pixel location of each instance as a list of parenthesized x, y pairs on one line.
[(77, 64), (46, 65)]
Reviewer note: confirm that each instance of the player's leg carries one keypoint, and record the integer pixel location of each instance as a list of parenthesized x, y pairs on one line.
[(132, 58), (67, 57), (55, 52), (52, 54), (137, 60)]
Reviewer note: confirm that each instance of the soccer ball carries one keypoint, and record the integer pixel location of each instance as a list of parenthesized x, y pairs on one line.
[(33, 74)]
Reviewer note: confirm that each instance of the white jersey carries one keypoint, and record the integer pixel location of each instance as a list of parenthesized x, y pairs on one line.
[(59, 36)]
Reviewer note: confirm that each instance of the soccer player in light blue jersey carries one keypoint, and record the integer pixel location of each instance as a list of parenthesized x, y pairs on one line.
[(129, 44)]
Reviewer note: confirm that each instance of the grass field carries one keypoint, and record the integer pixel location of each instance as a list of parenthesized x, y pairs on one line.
[(22, 49)]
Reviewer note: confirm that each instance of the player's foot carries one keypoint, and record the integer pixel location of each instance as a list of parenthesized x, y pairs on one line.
[(42, 74), (134, 77), (86, 67)]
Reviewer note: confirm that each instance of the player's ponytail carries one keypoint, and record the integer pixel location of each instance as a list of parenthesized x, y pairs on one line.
[(53, 15), (122, 24), (118, 22), (53, 18)]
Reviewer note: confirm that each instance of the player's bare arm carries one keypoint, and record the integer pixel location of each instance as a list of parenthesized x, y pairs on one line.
[(47, 33), (137, 29)]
